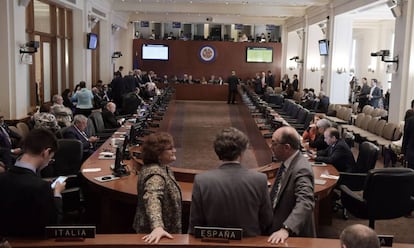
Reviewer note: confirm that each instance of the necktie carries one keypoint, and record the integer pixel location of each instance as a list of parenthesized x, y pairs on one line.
[(276, 185)]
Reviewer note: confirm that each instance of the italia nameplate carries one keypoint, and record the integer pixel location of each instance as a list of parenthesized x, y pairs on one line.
[(69, 232)]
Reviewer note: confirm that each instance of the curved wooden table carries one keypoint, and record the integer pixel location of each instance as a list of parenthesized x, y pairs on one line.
[(124, 190), (111, 205)]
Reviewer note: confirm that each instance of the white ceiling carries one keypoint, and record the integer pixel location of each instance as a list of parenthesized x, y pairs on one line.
[(221, 11), (234, 11)]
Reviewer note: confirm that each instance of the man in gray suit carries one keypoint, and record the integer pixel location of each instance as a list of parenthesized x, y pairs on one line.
[(231, 195), (292, 194)]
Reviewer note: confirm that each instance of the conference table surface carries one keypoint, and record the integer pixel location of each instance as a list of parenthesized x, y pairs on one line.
[(128, 185), (181, 240)]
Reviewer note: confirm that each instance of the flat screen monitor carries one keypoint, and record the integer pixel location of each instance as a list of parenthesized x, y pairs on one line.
[(92, 41), (154, 52), (323, 47), (259, 55)]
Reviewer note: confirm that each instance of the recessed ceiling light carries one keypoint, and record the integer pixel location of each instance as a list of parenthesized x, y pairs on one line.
[(227, 3)]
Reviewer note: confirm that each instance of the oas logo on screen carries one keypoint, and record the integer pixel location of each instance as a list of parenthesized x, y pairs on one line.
[(207, 53)]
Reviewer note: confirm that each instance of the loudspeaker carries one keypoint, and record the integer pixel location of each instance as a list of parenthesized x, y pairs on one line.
[(24, 3)]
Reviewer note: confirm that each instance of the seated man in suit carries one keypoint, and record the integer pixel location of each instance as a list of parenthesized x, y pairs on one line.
[(28, 203), (79, 131), (231, 195), (8, 144), (108, 116), (338, 153), (319, 142)]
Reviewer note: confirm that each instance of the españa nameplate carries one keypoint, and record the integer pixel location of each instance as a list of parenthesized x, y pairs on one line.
[(218, 232), (70, 232)]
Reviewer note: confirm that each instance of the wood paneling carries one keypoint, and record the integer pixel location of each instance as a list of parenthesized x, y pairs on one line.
[(184, 58)]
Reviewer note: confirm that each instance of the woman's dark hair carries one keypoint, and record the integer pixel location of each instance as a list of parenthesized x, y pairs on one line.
[(65, 93), (154, 145), (230, 143)]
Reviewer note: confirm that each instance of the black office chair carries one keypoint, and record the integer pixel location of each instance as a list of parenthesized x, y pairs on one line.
[(387, 194), (354, 180), (367, 158)]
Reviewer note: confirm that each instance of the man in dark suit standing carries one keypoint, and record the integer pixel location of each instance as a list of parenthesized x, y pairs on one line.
[(79, 131), (231, 195), (375, 94), (363, 95), (233, 81), (28, 203), (295, 83), (270, 80), (338, 153), (292, 193)]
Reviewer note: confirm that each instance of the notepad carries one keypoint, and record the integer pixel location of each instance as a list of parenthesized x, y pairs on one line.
[(91, 170), (330, 176), (320, 181)]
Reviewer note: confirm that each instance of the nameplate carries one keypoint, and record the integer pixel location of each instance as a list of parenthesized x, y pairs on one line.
[(386, 240), (70, 232), (204, 232)]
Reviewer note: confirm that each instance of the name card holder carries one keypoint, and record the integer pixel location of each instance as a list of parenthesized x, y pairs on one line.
[(218, 234), (70, 233), (386, 240)]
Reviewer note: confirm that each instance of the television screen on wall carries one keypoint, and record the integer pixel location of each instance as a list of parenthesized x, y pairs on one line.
[(259, 55), (92, 41), (154, 52), (323, 47)]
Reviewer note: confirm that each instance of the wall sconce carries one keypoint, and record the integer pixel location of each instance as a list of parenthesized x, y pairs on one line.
[(314, 68), (352, 70), (340, 70), (371, 69), (292, 68)]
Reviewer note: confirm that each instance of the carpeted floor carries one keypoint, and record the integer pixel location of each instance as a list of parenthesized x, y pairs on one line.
[(195, 125)]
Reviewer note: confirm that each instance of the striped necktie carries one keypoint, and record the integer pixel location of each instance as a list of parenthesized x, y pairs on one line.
[(276, 186)]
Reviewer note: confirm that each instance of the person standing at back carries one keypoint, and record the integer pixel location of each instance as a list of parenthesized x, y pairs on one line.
[(233, 81), (231, 195), (84, 99), (28, 203), (295, 83), (292, 193)]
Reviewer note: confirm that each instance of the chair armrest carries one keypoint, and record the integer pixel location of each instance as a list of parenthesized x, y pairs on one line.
[(354, 181), (353, 202)]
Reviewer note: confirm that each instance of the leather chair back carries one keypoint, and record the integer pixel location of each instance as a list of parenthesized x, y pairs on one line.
[(98, 121), (367, 157), (68, 157), (388, 192)]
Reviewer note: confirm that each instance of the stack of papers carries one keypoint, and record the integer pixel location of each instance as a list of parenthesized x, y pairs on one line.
[(106, 155)]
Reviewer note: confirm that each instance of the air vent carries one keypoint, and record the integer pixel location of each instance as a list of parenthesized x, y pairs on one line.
[(99, 13)]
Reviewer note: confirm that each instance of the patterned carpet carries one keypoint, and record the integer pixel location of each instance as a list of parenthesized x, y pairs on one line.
[(194, 127)]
